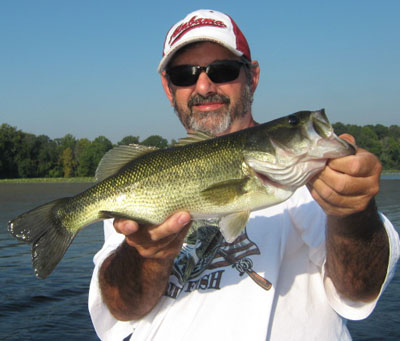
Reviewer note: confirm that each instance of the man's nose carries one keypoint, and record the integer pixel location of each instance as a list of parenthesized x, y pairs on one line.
[(204, 85)]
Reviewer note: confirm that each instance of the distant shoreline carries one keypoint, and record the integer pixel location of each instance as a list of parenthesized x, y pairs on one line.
[(45, 180), (391, 172)]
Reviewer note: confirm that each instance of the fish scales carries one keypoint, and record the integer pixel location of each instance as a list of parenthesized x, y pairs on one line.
[(149, 199)]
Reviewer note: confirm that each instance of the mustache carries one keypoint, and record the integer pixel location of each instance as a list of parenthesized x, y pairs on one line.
[(212, 98)]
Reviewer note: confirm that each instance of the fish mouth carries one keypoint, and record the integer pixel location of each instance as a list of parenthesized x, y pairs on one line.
[(326, 138)]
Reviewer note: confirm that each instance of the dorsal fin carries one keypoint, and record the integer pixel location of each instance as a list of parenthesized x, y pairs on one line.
[(192, 138), (118, 157)]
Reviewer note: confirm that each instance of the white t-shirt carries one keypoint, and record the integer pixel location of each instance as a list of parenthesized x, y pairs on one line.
[(266, 285)]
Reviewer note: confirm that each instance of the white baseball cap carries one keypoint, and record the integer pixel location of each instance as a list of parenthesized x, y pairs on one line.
[(204, 25)]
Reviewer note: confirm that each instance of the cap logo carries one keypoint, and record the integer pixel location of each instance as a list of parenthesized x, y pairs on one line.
[(191, 24)]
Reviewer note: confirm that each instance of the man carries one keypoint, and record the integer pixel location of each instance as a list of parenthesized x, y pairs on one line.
[(298, 270)]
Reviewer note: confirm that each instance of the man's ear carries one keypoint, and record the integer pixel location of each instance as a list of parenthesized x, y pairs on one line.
[(168, 92), (255, 75)]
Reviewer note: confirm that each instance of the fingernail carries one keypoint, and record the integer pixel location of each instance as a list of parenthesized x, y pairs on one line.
[(183, 219)]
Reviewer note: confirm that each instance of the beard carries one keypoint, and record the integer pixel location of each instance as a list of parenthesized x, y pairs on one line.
[(217, 121)]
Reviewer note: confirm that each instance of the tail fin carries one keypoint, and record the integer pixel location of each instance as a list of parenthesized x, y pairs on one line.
[(43, 228)]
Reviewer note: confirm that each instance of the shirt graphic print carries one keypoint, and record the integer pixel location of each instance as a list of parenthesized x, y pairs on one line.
[(206, 249)]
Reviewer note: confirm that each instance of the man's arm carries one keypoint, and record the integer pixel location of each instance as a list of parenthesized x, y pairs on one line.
[(357, 244), (357, 254), (134, 278)]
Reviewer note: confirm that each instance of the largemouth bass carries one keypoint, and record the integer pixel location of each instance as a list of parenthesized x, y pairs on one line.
[(222, 178)]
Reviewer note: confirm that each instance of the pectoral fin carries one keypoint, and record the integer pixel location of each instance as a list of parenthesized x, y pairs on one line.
[(232, 225)]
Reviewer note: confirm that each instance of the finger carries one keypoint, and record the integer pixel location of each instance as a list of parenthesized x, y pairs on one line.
[(331, 207), (125, 226), (343, 184), (342, 200), (174, 224), (348, 138), (170, 247), (165, 248), (362, 164)]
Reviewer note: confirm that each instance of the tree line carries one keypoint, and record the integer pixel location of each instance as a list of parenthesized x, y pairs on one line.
[(25, 155), (383, 141)]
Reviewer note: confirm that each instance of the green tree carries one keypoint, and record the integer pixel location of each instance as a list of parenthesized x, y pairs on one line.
[(129, 140), (390, 156), (26, 156), (46, 156), (68, 163), (369, 140), (354, 130), (380, 130), (99, 147), (394, 131), (9, 142), (90, 156), (68, 141), (155, 141), (82, 157), (339, 128), (85, 164)]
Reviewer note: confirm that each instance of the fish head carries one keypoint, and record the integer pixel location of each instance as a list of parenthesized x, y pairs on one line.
[(324, 143), (288, 151)]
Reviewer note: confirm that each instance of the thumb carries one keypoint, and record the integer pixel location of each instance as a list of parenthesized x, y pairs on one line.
[(348, 138)]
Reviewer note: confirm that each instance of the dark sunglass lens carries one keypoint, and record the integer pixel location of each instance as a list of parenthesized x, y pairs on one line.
[(219, 72), (224, 71), (183, 75)]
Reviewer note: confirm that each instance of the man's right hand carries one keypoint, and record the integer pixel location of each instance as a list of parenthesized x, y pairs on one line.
[(160, 242)]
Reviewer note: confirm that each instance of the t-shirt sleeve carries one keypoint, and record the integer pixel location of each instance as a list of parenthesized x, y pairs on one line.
[(310, 222), (354, 310)]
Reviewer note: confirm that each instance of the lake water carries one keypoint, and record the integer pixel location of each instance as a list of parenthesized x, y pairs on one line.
[(56, 308)]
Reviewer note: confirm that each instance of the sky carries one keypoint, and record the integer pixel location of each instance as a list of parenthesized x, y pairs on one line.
[(89, 67)]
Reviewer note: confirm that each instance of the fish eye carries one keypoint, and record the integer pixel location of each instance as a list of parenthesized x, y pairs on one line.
[(293, 120)]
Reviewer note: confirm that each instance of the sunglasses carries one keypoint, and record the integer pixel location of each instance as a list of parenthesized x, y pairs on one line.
[(219, 72)]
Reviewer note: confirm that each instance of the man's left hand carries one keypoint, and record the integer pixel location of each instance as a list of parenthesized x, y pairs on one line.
[(347, 184)]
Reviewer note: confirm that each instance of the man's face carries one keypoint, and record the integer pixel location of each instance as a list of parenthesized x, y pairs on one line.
[(216, 108)]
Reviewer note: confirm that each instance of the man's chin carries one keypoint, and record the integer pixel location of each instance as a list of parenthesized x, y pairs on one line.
[(211, 125)]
